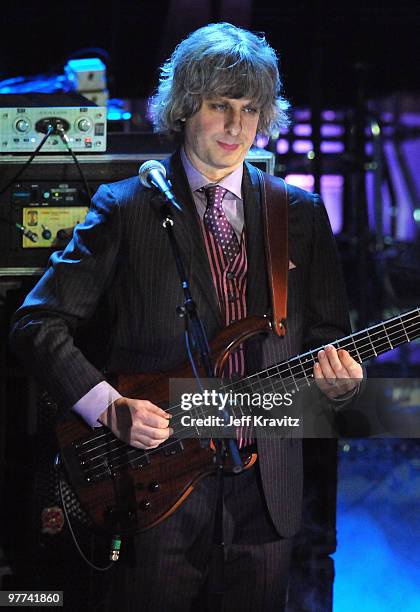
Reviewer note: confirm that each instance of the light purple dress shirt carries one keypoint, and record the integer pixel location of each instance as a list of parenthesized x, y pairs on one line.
[(95, 401)]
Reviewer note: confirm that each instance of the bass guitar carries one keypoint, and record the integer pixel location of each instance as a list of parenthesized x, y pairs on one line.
[(128, 490)]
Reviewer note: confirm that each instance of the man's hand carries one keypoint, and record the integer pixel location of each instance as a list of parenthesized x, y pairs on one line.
[(336, 373), (137, 422)]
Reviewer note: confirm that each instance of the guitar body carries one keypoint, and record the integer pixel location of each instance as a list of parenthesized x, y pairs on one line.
[(138, 495), (126, 490)]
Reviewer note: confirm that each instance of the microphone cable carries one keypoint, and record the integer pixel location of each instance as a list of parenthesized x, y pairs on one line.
[(21, 228), (65, 139)]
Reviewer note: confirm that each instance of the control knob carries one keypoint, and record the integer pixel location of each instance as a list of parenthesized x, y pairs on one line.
[(22, 125), (46, 233), (84, 125)]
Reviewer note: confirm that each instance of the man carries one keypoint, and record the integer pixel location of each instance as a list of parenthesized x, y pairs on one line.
[(218, 90)]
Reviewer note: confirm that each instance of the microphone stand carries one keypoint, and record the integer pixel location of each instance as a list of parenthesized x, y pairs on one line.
[(189, 307), (189, 310)]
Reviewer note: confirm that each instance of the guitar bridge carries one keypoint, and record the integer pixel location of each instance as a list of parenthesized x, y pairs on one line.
[(140, 461), (172, 447)]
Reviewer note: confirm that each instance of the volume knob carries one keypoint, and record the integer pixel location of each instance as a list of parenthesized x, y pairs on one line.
[(84, 124), (46, 233), (22, 126)]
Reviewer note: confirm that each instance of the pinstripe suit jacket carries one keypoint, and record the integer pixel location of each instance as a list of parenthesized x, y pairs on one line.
[(121, 254)]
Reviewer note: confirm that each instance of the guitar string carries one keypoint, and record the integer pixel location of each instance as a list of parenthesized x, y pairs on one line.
[(122, 444), (143, 453)]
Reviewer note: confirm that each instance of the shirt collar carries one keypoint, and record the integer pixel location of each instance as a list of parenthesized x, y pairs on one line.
[(232, 182)]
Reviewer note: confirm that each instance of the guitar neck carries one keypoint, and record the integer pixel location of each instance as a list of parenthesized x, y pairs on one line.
[(292, 375)]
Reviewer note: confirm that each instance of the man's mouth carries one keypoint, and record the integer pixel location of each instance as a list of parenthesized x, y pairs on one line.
[(228, 147)]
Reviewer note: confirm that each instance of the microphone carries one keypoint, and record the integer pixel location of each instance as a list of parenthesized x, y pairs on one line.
[(153, 174)]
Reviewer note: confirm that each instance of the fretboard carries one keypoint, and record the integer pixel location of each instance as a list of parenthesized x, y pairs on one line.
[(290, 376)]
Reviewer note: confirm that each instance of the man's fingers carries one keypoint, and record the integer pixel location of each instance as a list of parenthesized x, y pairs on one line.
[(156, 410), (326, 367), (322, 383), (332, 383), (338, 364), (140, 423), (149, 437), (335, 362), (153, 433), (152, 415), (353, 368)]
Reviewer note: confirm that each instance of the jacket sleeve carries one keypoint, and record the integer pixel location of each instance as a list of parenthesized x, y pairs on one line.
[(64, 298), (326, 315), (327, 308)]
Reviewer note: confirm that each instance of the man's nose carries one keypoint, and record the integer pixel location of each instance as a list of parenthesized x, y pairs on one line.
[(234, 123)]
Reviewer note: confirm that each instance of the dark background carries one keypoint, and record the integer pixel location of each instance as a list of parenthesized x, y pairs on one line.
[(320, 41)]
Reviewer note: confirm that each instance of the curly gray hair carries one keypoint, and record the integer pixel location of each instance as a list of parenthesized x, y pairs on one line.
[(219, 60)]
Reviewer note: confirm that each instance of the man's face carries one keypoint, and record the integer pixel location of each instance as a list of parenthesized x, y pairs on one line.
[(219, 135)]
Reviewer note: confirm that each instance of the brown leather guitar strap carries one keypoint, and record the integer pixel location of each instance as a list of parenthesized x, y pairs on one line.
[(275, 212)]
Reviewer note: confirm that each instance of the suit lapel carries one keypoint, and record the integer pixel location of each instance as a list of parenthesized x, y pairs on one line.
[(187, 231)]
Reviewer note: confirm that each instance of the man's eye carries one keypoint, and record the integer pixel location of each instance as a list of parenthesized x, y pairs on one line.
[(250, 109), (219, 107)]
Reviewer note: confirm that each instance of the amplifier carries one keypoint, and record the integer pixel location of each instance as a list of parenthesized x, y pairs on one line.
[(24, 120), (50, 200)]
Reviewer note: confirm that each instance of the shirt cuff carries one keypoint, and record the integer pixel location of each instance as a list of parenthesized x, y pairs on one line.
[(348, 395), (95, 401)]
